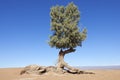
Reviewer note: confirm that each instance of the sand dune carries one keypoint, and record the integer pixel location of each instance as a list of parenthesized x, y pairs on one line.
[(13, 74)]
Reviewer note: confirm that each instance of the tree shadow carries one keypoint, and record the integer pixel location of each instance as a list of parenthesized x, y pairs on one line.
[(80, 72)]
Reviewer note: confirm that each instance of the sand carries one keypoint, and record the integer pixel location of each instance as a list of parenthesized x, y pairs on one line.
[(13, 74)]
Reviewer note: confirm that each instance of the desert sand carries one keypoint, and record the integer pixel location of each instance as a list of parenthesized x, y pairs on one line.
[(14, 74)]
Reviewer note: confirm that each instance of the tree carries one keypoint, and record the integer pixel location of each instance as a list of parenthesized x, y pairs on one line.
[(66, 33)]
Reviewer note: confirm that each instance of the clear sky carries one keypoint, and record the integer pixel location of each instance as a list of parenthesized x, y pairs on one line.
[(25, 30)]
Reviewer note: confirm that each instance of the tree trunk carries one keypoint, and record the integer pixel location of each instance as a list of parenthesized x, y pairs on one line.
[(62, 64)]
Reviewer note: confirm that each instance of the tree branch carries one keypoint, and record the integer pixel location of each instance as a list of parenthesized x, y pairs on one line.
[(69, 50)]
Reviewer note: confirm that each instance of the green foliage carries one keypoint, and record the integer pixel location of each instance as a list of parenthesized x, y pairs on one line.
[(64, 24)]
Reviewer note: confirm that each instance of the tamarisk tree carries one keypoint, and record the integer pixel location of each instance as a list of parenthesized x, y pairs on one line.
[(66, 33)]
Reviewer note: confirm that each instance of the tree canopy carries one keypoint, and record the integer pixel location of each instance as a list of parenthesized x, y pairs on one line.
[(64, 24)]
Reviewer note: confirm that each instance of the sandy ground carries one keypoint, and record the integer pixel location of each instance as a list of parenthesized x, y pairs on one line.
[(13, 74)]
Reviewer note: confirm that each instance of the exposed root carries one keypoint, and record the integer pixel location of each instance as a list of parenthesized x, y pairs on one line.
[(33, 69), (39, 70)]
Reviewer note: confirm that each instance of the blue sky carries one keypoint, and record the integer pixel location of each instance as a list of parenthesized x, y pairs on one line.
[(25, 30)]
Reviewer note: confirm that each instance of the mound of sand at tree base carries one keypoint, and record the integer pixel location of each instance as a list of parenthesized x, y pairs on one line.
[(39, 70), (14, 74)]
